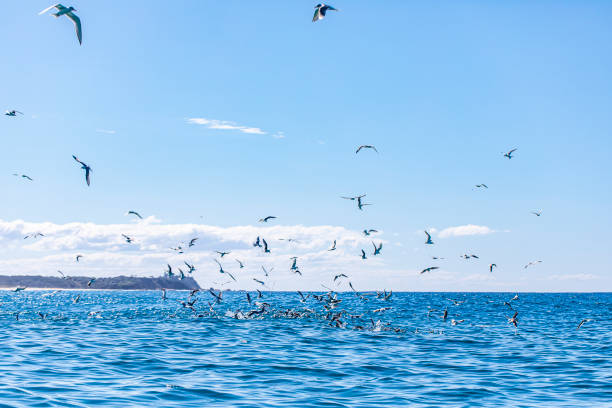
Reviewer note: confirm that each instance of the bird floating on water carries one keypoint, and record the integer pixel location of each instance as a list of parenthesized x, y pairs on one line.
[(68, 12), (84, 167), (321, 10)]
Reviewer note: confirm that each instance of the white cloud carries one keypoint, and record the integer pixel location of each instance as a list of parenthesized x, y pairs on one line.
[(576, 276), (279, 135), (465, 230), (105, 252), (107, 131), (225, 125)]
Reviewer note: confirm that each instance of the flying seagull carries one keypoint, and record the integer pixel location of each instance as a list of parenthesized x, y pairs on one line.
[(431, 268), (257, 242), (429, 241), (509, 154), (68, 11), (377, 249), (333, 248), (366, 147), (25, 176), (134, 213), (266, 219), (225, 272), (531, 263), (340, 276), (35, 235), (240, 263), (320, 10), (127, 239), (13, 113), (536, 213), (91, 281), (222, 254), (481, 186), (84, 167), (78, 257), (513, 320), (192, 242), (360, 205), (492, 266), (583, 322), (363, 255), (266, 250), (367, 232)]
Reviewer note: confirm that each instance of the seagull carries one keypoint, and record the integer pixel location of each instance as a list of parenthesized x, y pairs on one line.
[(84, 167), (536, 213), (169, 271), (91, 281), (481, 186), (302, 298), (76, 299), (294, 266), (429, 241), (366, 147), (222, 253), (266, 219), (222, 271), (68, 11), (437, 258), (377, 250), (367, 232), (333, 248), (127, 239), (513, 320), (431, 268), (353, 198), (191, 267), (266, 250), (456, 322), (248, 298), (260, 282), (492, 266), (25, 176), (360, 205), (583, 322), (13, 113), (240, 263), (163, 293), (456, 302), (192, 242), (35, 235), (531, 263), (19, 289), (363, 255), (134, 213), (266, 272), (78, 257), (340, 276), (509, 154), (516, 297), (62, 273), (320, 10), (257, 243), (445, 315)]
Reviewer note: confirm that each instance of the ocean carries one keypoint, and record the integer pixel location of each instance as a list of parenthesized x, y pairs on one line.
[(134, 349)]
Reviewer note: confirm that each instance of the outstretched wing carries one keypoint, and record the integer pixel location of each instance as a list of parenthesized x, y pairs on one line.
[(77, 25), (58, 6), (87, 173)]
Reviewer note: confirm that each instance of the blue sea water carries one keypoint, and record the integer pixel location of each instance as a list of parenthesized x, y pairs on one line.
[(133, 349)]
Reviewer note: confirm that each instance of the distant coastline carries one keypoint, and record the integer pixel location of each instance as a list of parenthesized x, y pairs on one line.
[(80, 282)]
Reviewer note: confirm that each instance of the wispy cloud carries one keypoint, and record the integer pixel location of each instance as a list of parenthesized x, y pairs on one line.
[(575, 276), (225, 125), (465, 230), (106, 131)]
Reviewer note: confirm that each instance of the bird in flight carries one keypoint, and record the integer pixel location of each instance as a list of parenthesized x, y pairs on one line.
[(481, 186), (35, 235), (191, 267), (340, 276), (68, 12), (492, 266), (257, 242), (531, 263), (127, 239), (513, 320), (78, 257), (25, 176), (224, 272), (266, 249), (377, 249), (360, 205), (320, 11), (509, 154), (537, 213), (192, 242), (262, 283), (91, 281), (367, 232), (266, 219), (222, 254), (13, 113), (134, 213), (429, 241), (431, 268), (366, 147), (333, 248), (240, 263), (583, 322), (84, 167), (363, 255)]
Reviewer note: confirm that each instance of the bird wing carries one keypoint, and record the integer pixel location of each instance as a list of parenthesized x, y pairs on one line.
[(58, 6), (78, 161), (317, 15), (87, 171), (512, 151), (359, 149), (77, 25)]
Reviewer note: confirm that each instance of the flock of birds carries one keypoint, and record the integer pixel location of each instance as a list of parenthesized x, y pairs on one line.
[(329, 300)]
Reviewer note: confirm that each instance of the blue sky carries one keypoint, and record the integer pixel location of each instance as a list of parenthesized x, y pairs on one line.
[(441, 88)]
